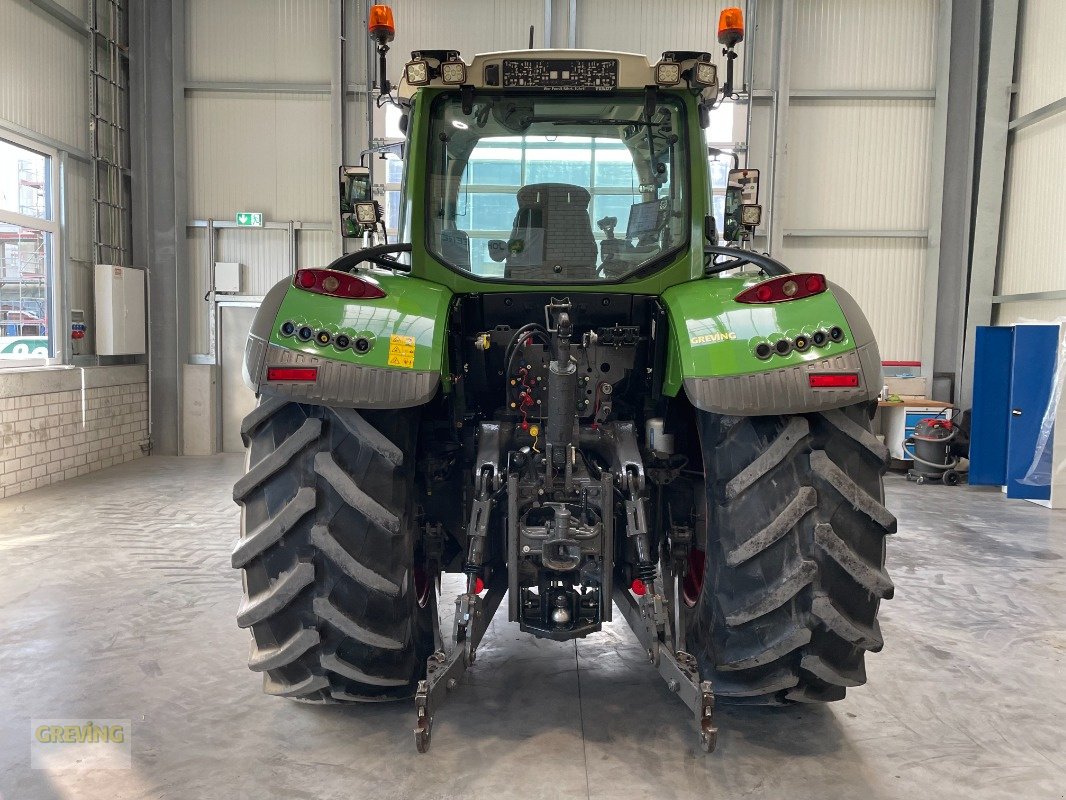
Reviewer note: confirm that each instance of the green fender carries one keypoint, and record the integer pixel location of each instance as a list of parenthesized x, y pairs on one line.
[(711, 351), (403, 336)]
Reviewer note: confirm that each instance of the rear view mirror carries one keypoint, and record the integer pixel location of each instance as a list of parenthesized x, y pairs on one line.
[(742, 190), (357, 208), (710, 229)]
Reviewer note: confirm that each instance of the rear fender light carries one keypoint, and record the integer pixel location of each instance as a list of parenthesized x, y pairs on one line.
[(784, 287), (336, 284), (294, 374), (834, 380)]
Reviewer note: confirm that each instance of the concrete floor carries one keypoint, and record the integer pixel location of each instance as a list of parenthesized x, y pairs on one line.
[(117, 600)]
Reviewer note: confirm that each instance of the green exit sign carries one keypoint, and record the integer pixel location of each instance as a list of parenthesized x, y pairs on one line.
[(249, 219)]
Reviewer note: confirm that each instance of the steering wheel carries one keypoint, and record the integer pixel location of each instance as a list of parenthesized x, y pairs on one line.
[(379, 255)]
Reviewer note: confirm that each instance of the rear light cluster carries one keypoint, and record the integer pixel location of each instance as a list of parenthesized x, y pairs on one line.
[(292, 374), (336, 284), (325, 338), (833, 380), (783, 288), (800, 344)]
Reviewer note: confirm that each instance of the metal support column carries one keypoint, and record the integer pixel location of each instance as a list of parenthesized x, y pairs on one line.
[(991, 177), (956, 201), (785, 24), (160, 198), (336, 101), (935, 189)]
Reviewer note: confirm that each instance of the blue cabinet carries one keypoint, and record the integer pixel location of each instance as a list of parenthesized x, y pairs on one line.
[(1014, 371)]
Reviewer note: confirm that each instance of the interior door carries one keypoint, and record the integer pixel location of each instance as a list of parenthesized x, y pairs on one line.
[(1032, 378), (237, 400)]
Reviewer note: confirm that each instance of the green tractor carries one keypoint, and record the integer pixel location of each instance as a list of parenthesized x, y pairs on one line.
[(575, 417)]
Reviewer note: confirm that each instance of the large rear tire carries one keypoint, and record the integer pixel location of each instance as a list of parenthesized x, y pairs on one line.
[(327, 547), (795, 553)]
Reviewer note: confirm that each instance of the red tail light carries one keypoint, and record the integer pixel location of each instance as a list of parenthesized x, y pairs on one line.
[(336, 284), (292, 373), (785, 287), (839, 380)]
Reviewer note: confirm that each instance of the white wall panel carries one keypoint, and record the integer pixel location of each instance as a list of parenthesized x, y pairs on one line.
[(44, 84), (864, 44), (885, 277), (461, 25), (1031, 253), (1040, 310), (650, 28), (858, 165), (79, 8), (315, 248), (257, 40), (1041, 63), (264, 255), (260, 152)]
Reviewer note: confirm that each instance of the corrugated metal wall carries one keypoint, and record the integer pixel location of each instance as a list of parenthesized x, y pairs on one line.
[(467, 27), (856, 163), (43, 63), (259, 152), (1034, 204), (864, 44), (650, 28), (257, 40)]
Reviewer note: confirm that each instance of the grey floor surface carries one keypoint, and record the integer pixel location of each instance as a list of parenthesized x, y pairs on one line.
[(117, 601)]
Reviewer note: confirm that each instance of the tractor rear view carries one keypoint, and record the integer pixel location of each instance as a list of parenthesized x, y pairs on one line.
[(560, 385)]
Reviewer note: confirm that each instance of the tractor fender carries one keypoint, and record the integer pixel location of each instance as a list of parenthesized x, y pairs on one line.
[(712, 348), (385, 352)]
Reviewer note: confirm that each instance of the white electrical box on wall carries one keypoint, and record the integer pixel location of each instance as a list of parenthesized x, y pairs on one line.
[(119, 310), (227, 277)]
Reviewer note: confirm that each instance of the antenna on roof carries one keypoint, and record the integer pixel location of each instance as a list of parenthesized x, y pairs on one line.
[(530, 37)]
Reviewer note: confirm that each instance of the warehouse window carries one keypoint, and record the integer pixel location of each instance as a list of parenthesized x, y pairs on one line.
[(28, 232)]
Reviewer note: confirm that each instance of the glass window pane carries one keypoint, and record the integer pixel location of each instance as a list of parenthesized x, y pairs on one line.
[(393, 170), (392, 122), (721, 127), (493, 211), (720, 173), (718, 202), (24, 184), (484, 182), (565, 165), (24, 315), (614, 205), (392, 210)]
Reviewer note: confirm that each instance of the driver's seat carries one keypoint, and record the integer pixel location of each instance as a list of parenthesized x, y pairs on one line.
[(552, 234)]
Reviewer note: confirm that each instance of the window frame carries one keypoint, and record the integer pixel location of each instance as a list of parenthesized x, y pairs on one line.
[(53, 253), (653, 265)]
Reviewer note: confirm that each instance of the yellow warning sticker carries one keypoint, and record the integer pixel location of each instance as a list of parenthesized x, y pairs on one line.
[(402, 351)]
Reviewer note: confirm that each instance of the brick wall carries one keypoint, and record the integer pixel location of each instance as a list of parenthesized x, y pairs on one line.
[(59, 423)]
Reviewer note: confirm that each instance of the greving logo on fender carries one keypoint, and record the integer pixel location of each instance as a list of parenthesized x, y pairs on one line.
[(713, 338)]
